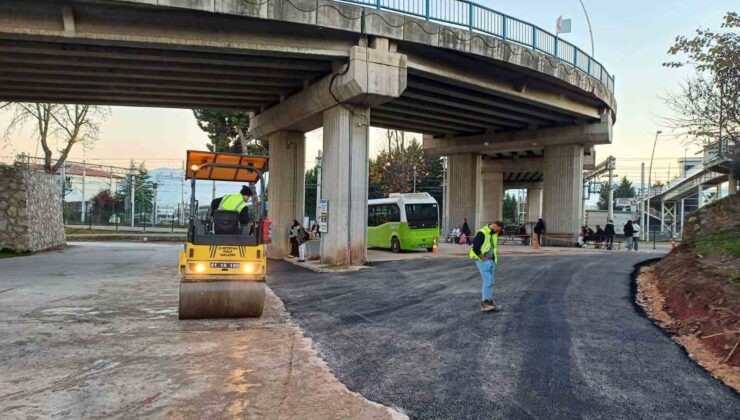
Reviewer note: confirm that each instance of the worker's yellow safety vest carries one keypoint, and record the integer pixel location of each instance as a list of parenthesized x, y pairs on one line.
[(233, 202), (490, 240)]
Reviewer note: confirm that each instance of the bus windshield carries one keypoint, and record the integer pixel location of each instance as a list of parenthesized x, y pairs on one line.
[(422, 215)]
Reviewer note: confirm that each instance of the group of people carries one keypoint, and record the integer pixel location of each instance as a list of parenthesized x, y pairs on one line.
[(632, 234), (298, 238), (601, 236), (606, 235), (460, 235)]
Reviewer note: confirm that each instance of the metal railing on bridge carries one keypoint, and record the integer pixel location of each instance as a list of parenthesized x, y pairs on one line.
[(477, 18)]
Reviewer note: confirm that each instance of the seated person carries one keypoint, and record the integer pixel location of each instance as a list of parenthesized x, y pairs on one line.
[(599, 236), (235, 202), (456, 235), (523, 233)]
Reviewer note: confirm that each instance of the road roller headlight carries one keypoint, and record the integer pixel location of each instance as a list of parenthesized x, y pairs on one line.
[(197, 267), (252, 268)]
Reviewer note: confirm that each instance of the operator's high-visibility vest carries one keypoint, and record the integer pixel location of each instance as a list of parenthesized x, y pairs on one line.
[(491, 240), (233, 202)]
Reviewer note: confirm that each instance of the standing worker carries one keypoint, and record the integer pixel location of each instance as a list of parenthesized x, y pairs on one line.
[(485, 255)]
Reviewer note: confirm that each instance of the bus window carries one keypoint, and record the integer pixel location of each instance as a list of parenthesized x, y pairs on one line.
[(371, 216), (394, 213), (422, 215)]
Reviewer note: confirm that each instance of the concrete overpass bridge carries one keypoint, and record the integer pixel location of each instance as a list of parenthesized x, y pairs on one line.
[(507, 102), (714, 170)]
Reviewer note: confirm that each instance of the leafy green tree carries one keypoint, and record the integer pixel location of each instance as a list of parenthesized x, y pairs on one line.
[(394, 168), (311, 185), (104, 204), (624, 189), (143, 195), (229, 132), (510, 208)]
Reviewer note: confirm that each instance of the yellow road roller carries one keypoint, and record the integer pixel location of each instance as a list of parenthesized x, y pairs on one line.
[(222, 264)]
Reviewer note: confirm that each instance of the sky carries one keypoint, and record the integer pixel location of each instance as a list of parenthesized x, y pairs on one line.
[(631, 39)]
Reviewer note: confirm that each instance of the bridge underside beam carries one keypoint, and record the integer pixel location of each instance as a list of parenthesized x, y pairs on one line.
[(371, 77), (588, 134)]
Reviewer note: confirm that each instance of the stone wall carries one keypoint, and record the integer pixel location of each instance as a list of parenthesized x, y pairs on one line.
[(30, 210), (716, 217)]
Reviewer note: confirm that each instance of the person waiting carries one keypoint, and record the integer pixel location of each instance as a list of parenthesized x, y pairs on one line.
[(456, 235)]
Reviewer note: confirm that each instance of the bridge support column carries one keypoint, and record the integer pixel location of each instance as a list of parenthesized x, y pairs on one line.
[(493, 197), (534, 204), (731, 185), (344, 183), (464, 190), (286, 188), (563, 190)]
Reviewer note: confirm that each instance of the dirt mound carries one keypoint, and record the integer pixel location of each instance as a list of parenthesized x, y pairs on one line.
[(698, 287)]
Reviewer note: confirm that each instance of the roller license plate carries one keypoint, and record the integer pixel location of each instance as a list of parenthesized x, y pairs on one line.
[(224, 265)]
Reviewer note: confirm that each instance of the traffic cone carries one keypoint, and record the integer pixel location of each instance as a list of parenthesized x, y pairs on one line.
[(536, 241), (435, 250)]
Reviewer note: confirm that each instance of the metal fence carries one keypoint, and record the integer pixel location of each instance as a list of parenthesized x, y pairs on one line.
[(477, 18)]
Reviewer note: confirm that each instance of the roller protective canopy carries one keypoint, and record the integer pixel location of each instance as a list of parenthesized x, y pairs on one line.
[(224, 166)]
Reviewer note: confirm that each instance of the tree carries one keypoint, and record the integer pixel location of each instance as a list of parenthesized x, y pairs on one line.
[(143, 195), (708, 103), (104, 204), (393, 169), (510, 209), (229, 132), (311, 185), (58, 126), (624, 189)]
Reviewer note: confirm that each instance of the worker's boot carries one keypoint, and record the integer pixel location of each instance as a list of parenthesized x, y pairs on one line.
[(487, 306)]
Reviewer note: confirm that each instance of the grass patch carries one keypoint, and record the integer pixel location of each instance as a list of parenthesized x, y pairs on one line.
[(9, 253), (720, 244)]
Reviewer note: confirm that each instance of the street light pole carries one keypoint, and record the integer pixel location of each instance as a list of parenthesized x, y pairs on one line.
[(650, 171), (588, 21)]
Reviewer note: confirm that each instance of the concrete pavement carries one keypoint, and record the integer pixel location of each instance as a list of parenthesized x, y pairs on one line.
[(91, 331), (568, 343)]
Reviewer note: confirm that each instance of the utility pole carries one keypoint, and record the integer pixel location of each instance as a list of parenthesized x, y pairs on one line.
[(133, 194), (84, 203), (154, 205), (444, 196), (110, 188), (182, 194), (318, 184), (610, 168), (643, 215), (414, 178)]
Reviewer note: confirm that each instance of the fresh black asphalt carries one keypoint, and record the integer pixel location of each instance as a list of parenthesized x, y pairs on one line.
[(569, 342)]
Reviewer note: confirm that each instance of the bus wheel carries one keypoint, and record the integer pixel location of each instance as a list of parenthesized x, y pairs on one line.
[(395, 245)]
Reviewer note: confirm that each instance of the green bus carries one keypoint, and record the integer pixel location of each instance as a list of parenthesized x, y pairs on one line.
[(403, 222)]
